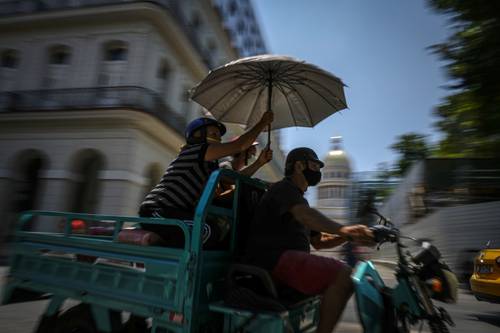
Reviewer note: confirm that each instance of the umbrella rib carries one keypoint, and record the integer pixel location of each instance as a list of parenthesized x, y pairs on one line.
[(304, 82), (326, 89), (222, 97), (263, 71), (292, 78), (323, 97), (259, 72), (286, 71), (289, 105), (256, 68), (235, 102), (294, 75), (317, 71), (216, 81), (305, 104), (262, 88), (325, 74)]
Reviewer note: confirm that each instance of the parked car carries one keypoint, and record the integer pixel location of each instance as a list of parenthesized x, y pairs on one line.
[(485, 280)]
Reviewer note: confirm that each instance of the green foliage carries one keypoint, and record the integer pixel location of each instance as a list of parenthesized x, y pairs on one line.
[(469, 117), (410, 147)]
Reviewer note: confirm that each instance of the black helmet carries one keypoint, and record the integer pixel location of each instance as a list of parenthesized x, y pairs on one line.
[(300, 154), (201, 124)]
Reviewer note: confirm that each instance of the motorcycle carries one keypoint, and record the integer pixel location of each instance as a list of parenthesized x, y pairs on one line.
[(420, 278)]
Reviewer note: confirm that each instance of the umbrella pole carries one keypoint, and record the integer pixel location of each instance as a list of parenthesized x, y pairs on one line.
[(269, 96)]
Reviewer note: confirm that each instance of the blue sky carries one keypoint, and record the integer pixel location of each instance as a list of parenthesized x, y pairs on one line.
[(379, 49)]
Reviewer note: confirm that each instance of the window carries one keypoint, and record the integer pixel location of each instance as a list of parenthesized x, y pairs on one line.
[(195, 21), (26, 185), (240, 26), (59, 55), (211, 45), (248, 43), (232, 7), (115, 51), (163, 70), (10, 58), (162, 75), (248, 12), (116, 54)]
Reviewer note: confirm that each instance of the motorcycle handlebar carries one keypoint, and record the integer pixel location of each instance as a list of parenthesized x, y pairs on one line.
[(382, 233)]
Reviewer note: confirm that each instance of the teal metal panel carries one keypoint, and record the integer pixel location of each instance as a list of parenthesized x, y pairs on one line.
[(370, 305), (148, 281)]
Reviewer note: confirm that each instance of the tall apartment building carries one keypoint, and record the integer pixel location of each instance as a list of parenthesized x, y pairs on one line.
[(94, 98), (243, 27)]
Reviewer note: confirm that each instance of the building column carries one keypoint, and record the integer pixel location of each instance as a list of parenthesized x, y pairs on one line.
[(120, 192), (52, 196)]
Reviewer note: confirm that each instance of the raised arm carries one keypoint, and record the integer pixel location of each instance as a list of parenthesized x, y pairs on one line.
[(265, 156), (218, 150)]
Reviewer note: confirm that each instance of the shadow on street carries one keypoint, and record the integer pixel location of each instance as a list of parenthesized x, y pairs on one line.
[(492, 318)]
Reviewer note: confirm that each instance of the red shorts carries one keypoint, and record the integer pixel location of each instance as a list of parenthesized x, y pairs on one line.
[(307, 273)]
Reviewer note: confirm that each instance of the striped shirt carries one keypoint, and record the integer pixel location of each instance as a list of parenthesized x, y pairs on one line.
[(183, 182)]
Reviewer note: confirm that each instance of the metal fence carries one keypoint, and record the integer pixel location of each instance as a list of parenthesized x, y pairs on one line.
[(137, 98)]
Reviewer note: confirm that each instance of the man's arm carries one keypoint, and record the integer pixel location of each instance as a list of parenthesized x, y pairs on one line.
[(314, 220), (326, 241)]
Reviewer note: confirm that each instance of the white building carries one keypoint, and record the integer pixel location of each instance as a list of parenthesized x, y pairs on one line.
[(333, 192), (93, 99)]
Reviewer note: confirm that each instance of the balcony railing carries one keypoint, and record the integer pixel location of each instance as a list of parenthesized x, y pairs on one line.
[(136, 98), (21, 7)]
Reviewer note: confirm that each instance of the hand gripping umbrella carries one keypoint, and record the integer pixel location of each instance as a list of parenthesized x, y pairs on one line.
[(298, 93)]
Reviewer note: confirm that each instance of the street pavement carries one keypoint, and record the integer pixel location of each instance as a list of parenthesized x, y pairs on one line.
[(468, 314)]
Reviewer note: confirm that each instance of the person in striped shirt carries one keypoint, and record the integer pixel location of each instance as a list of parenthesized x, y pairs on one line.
[(180, 188)]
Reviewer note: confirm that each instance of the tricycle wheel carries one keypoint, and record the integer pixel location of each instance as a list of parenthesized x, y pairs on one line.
[(403, 325), (438, 326), (77, 319)]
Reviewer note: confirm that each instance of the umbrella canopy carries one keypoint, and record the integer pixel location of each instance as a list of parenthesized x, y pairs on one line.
[(298, 93)]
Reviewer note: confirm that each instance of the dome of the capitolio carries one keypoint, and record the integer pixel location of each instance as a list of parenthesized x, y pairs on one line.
[(337, 162)]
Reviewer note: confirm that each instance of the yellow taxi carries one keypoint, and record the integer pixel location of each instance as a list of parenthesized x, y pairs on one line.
[(485, 280)]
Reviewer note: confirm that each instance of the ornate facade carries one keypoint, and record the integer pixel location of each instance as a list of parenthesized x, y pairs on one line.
[(334, 190), (94, 99)]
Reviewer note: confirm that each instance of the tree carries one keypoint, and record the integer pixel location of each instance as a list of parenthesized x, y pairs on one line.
[(469, 117), (410, 147)]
